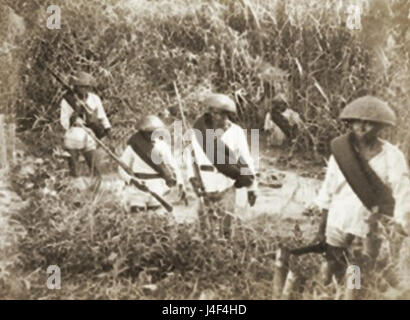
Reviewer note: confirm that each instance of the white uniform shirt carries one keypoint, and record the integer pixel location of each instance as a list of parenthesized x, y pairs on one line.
[(93, 102), (346, 211), (235, 138), (76, 137), (163, 152)]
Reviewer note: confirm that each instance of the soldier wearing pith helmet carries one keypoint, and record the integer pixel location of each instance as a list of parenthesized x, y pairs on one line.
[(367, 177), (92, 115), (220, 163), (369, 108), (153, 164)]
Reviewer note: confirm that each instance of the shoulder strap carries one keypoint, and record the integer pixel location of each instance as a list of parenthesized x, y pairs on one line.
[(143, 148), (363, 180), (232, 165), (72, 102)]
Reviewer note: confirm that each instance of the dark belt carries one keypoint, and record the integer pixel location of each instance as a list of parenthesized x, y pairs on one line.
[(206, 167), (147, 176), (136, 209)]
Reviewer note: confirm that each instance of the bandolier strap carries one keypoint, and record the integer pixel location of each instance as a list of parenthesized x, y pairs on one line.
[(363, 180)]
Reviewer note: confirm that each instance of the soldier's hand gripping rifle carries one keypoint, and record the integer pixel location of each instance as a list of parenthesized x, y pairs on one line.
[(127, 169), (198, 189), (123, 165), (80, 107)]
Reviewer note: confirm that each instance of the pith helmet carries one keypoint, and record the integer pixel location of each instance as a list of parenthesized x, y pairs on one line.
[(84, 79), (151, 123), (369, 108), (221, 102)]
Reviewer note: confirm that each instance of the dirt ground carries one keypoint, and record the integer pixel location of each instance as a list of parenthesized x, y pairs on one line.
[(287, 186), (282, 193)]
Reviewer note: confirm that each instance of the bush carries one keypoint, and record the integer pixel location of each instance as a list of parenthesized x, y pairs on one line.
[(136, 52), (105, 252)]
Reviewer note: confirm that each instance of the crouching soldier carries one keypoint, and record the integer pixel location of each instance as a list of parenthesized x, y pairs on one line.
[(76, 139), (153, 164), (219, 162), (366, 177)]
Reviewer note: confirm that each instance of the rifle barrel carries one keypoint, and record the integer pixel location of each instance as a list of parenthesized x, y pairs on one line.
[(69, 88), (313, 248), (127, 169), (185, 125)]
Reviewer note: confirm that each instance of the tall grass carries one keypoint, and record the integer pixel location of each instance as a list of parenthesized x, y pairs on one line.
[(106, 253), (136, 49)]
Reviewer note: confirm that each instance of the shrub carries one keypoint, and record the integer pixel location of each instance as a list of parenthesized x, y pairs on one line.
[(137, 50)]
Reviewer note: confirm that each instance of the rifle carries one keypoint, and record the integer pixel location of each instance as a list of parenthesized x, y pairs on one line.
[(89, 114), (197, 171), (312, 248), (70, 89), (127, 169)]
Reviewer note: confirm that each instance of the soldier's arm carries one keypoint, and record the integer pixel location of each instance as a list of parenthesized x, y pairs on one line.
[(243, 150), (101, 115), (399, 177), (171, 161)]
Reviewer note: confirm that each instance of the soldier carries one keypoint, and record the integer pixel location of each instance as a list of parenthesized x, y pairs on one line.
[(366, 177), (153, 164), (221, 164), (76, 140)]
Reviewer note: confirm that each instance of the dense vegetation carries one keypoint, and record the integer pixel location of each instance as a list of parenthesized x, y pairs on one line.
[(136, 49)]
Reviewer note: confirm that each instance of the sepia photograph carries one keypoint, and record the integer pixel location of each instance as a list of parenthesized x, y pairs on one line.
[(205, 150)]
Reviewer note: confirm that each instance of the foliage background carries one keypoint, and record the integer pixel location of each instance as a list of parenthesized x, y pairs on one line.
[(136, 49)]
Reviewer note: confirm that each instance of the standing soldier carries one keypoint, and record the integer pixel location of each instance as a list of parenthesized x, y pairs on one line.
[(76, 139), (219, 162), (153, 164), (366, 177)]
